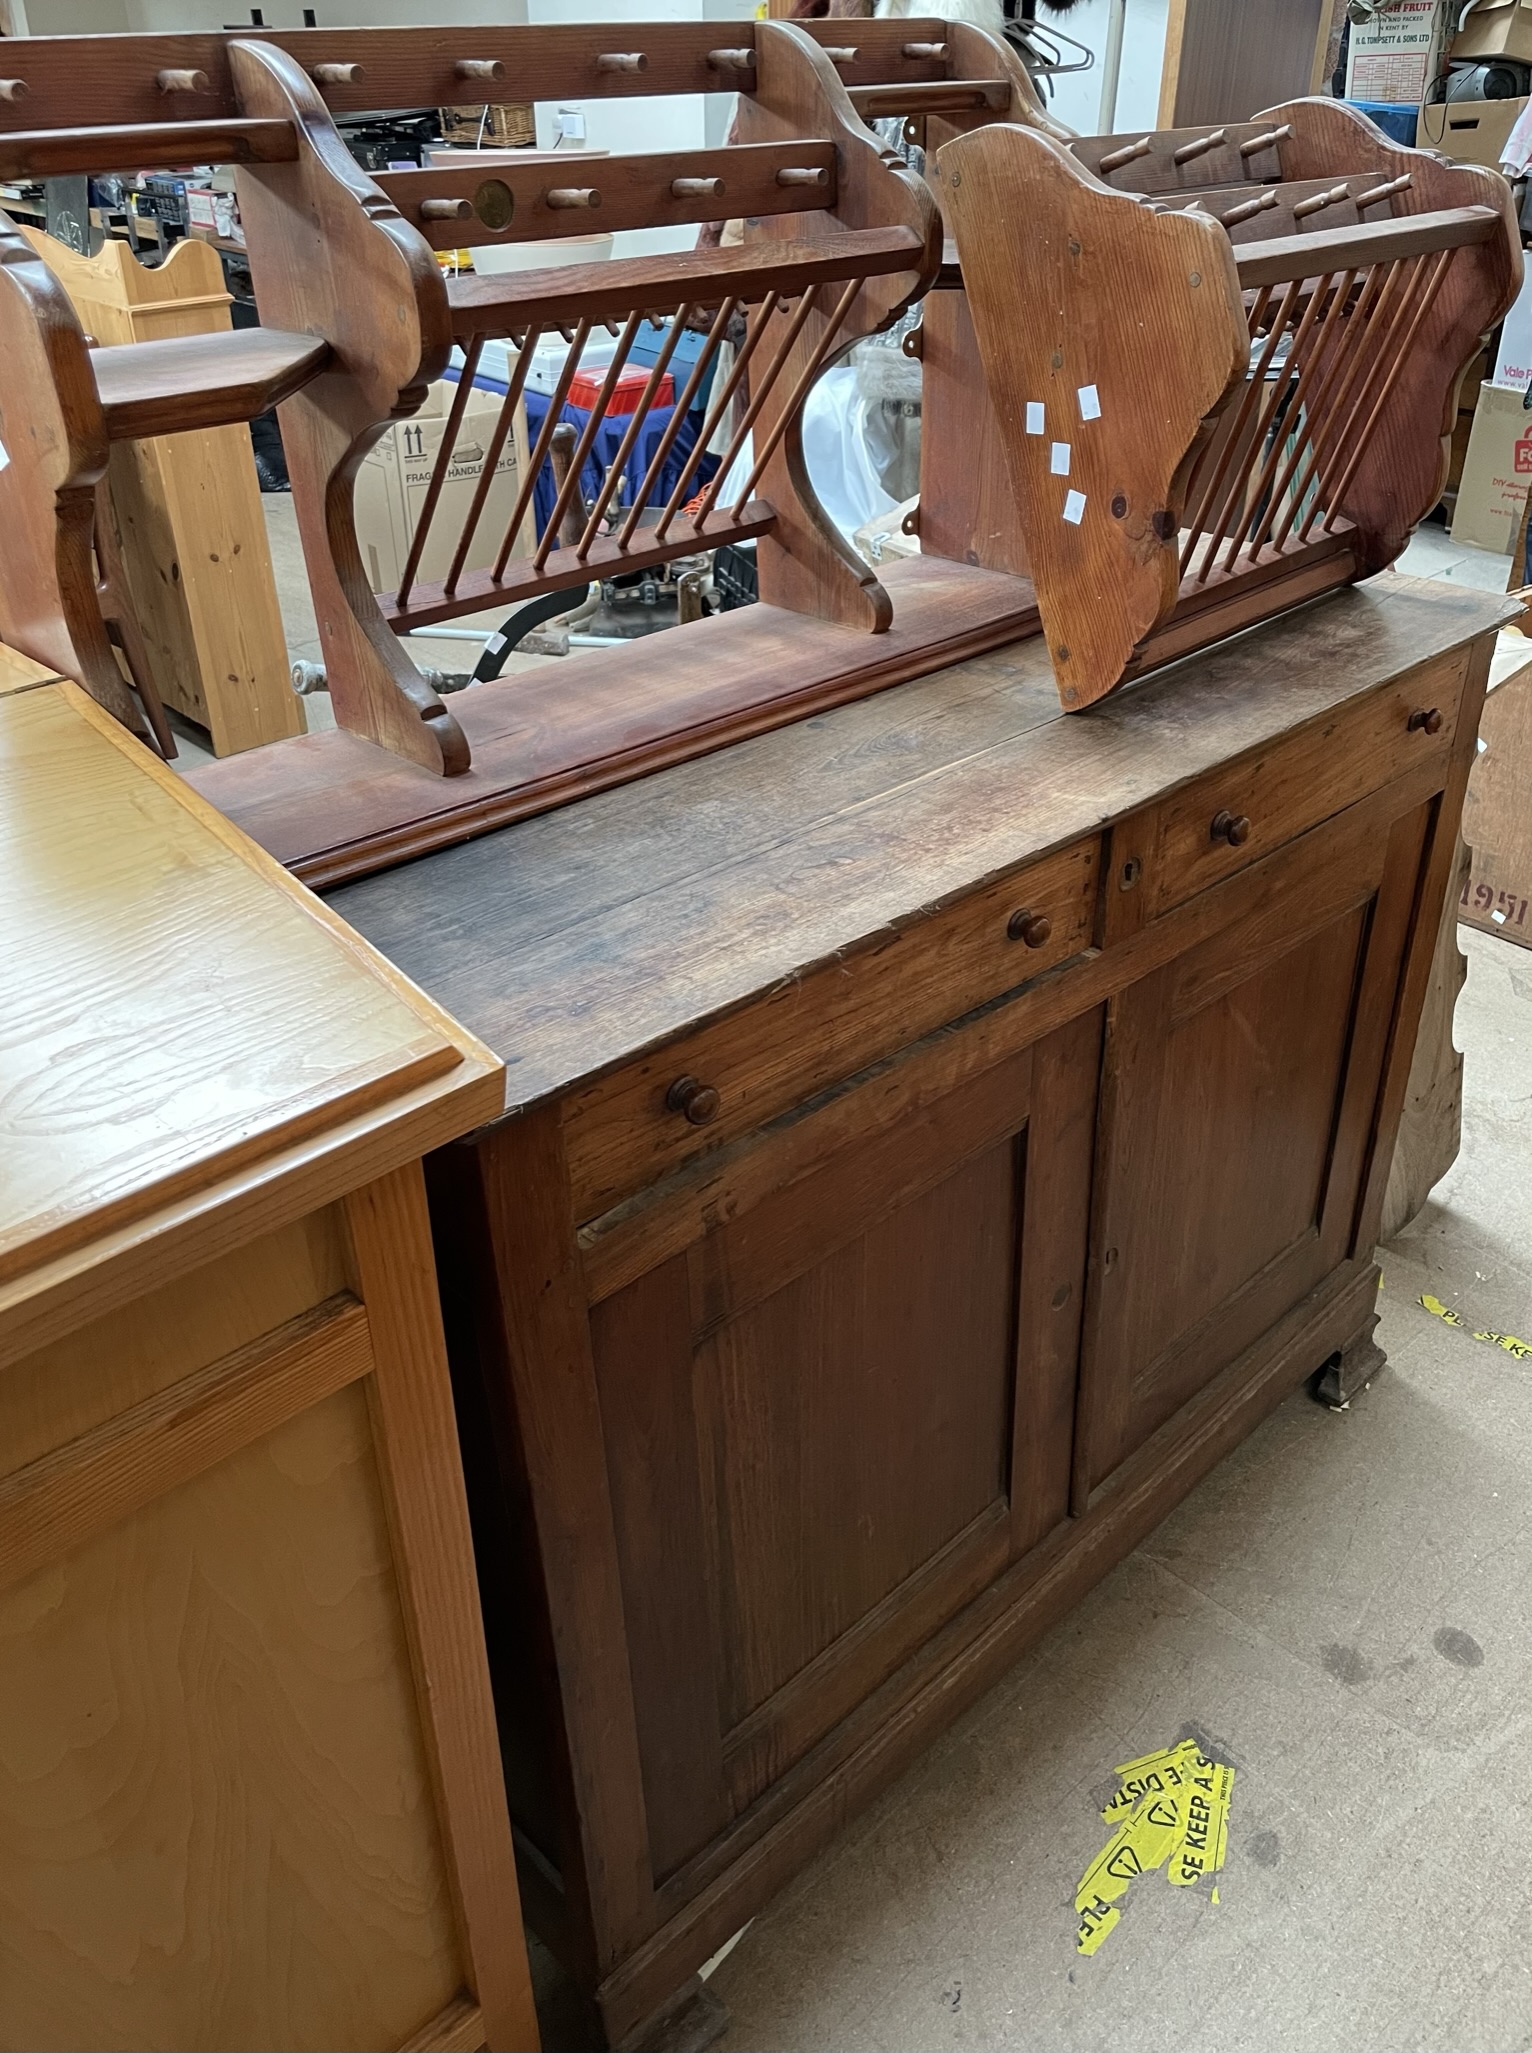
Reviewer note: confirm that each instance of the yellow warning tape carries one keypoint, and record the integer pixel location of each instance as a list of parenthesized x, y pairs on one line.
[(1171, 1811), (1520, 1348)]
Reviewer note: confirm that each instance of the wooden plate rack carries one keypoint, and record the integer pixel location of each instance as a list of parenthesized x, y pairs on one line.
[(1219, 397), (1342, 284)]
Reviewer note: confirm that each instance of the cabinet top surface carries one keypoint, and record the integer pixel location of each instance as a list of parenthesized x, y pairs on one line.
[(174, 1010), (577, 939)]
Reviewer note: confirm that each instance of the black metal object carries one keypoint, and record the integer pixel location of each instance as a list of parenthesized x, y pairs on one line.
[(734, 576), (547, 606)]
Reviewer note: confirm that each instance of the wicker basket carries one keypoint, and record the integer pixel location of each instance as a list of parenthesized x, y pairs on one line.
[(501, 128)]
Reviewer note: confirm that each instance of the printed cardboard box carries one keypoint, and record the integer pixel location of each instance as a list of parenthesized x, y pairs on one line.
[(1468, 131), (1513, 360), (1492, 494), (1394, 56), (1497, 816), (391, 490)]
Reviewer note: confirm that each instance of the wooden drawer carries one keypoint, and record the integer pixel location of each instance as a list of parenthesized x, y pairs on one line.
[(1279, 793), (625, 1130)]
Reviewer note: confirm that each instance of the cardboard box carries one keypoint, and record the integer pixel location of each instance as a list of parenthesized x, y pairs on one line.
[(1496, 28), (391, 489), (1471, 131), (1395, 56), (1492, 495), (1497, 816), (1513, 361)]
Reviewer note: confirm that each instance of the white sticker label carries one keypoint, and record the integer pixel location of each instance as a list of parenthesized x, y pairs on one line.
[(1034, 417), (1074, 508), (1058, 459), (1090, 403), (494, 645)]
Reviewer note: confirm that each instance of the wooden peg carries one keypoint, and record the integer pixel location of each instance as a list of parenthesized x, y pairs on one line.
[(731, 60), (337, 74), (480, 67), (622, 60), (560, 196), (838, 56), (799, 174), (1200, 147), (182, 81), (13, 89), (1318, 201), (1115, 159), (1248, 209), (1253, 145), (696, 188), (925, 53), (1384, 192), (446, 210)]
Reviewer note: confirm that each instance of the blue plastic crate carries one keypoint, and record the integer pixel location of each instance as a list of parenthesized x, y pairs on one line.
[(1396, 121)]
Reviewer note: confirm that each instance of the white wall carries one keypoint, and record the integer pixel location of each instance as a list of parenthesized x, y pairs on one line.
[(683, 121), (635, 124), (103, 17), (1077, 95)]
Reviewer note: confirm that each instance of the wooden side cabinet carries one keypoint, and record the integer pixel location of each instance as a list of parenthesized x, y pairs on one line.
[(250, 1792), (943, 1130)]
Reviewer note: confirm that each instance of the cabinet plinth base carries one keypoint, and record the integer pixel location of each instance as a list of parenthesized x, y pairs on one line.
[(1349, 1371)]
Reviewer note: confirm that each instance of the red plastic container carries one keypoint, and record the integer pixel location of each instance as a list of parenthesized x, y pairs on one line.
[(585, 388)]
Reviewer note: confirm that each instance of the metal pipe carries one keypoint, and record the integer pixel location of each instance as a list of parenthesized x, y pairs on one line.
[(1111, 66)]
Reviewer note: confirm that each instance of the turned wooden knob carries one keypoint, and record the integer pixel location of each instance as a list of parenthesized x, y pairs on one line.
[(802, 174), (182, 81), (480, 67), (622, 60), (1424, 722), (694, 1099), (1031, 927), (564, 196), (446, 210), (1231, 827), (337, 74), (13, 89)]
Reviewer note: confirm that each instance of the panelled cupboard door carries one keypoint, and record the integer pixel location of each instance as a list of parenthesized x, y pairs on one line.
[(825, 1430), (1238, 1090)]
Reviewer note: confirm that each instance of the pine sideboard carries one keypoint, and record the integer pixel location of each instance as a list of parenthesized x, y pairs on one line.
[(250, 1792)]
